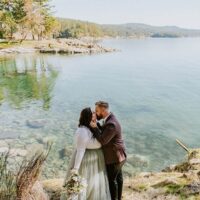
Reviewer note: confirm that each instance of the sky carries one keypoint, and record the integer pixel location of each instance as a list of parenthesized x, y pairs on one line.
[(182, 13)]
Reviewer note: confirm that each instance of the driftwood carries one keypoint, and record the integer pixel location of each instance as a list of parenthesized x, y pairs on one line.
[(182, 145)]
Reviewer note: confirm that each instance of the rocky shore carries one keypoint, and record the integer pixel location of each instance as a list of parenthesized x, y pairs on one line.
[(176, 182), (60, 46)]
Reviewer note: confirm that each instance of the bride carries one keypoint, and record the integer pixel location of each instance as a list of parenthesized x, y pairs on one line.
[(88, 161)]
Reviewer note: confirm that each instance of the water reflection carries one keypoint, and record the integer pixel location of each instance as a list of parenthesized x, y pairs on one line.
[(26, 79)]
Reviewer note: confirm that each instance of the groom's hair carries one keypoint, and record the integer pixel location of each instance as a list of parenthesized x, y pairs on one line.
[(103, 104)]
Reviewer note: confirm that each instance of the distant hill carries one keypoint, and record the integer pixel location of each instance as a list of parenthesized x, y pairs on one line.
[(143, 30), (78, 28)]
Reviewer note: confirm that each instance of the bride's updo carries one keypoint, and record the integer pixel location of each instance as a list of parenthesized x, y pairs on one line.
[(85, 117)]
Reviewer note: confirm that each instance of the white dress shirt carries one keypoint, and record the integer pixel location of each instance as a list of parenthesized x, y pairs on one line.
[(83, 140), (104, 120)]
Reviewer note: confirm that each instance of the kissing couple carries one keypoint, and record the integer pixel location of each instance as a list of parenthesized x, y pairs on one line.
[(99, 154)]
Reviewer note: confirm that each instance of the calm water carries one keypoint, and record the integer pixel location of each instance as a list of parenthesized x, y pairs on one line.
[(153, 86)]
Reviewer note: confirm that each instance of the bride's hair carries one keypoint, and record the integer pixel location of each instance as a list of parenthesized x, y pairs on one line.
[(85, 117)]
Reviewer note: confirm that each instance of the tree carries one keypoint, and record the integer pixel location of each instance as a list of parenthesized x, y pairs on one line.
[(27, 17), (7, 20), (52, 26)]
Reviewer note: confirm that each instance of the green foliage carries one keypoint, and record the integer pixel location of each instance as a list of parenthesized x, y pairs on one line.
[(27, 17), (7, 180), (174, 188), (77, 28), (18, 185)]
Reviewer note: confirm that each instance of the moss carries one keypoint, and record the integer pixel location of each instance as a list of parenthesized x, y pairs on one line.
[(174, 188), (141, 188)]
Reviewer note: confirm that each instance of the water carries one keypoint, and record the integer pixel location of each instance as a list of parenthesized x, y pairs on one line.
[(152, 85)]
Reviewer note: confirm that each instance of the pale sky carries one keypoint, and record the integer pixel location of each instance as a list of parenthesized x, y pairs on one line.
[(183, 13)]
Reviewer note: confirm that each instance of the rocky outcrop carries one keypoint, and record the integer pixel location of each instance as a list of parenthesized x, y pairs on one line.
[(181, 181), (72, 46), (60, 46)]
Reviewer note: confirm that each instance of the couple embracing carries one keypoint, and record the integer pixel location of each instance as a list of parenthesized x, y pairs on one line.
[(99, 154)]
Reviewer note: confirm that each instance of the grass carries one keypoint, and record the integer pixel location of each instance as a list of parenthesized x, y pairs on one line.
[(18, 185), (6, 44), (7, 180), (174, 188)]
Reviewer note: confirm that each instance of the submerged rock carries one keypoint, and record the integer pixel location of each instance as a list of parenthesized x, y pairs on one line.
[(13, 152), (35, 123)]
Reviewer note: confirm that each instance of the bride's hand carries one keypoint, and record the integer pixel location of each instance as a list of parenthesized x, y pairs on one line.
[(74, 171), (93, 124)]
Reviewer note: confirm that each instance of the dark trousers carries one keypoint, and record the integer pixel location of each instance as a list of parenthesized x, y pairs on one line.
[(115, 179)]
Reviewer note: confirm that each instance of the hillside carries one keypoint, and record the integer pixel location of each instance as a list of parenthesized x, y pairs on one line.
[(138, 30), (78, 28)]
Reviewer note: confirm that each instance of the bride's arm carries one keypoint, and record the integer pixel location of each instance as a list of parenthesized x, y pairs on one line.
[(81, 143)]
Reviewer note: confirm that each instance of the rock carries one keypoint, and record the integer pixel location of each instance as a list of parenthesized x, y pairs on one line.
[(192, 189), (65, 152), (32, 147), (18, 152), (17, 50), (146, 174), (4, 150), (64, 51), (137, 161), (3, 143), (53, 187), (194, 161), (45, 140), (37, 192), (13, 152), (48, 50), (35, 123), (163, 183)]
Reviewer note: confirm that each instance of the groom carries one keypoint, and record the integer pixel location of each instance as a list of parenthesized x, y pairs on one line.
[(110, 136)]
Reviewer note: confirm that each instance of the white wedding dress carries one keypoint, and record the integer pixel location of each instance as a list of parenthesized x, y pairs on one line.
[(88, 158)]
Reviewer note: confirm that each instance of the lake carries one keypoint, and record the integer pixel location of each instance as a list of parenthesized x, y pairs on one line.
[(152, 85)]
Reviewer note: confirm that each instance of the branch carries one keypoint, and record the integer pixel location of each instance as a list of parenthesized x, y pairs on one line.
[(182, 145)]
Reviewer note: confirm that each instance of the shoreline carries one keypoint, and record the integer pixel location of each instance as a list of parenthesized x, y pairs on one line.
[(55, 46), (179, 181), (64, 46)]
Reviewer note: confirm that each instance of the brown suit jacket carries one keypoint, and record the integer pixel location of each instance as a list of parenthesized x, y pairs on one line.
[(110, 136)]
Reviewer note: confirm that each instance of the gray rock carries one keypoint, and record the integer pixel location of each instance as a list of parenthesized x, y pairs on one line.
[(13, 152), (35, 123), (48, 50), (192, 189), (3, 143)]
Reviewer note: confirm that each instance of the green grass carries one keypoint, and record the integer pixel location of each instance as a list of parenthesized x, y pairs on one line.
[(6, 44)]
